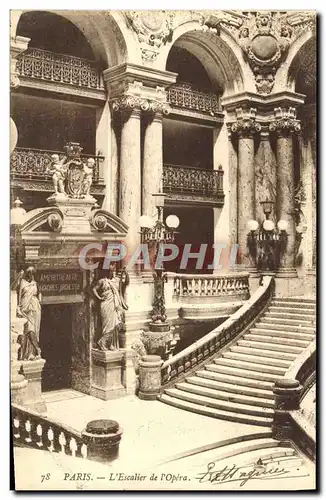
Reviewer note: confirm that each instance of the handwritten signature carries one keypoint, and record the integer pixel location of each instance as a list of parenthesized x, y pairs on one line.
[(242, 474)]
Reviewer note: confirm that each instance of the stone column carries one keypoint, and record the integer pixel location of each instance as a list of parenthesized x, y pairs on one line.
[(130, 168), (284, 125), (103, 147), (245, 128), (153, 159)]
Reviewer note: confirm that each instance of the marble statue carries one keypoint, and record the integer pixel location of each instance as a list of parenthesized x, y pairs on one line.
[(29, 307), (111, 311), (88, 177), (59, 174)]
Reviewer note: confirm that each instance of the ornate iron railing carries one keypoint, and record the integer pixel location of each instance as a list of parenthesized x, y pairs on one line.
[(207, 285), (183, 95), (207, 346), (32, 430), (59, 68), (31, 163), (180, 179)]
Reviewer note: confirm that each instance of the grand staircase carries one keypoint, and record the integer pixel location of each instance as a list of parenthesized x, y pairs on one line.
[(238, 384)]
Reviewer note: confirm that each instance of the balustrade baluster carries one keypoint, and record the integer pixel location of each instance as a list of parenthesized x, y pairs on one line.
[(28, 428), (62, 442), (16, 428), (73, 446), (39, 432), (50, 438), (83, 450)]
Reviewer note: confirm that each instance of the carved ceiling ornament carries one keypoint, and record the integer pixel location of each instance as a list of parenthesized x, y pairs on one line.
[(265, 38)]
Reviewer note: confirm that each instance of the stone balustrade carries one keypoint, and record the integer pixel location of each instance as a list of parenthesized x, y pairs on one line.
[(32, 430), (208, 286), (59, 68), (184, 95), (30, 163), (194, 355)]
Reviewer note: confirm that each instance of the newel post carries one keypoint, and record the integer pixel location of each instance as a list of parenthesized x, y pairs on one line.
[(287, 398), (150, 377)]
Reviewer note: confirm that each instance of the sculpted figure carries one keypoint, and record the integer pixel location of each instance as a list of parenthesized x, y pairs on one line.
[(29, 307), (59, 174), (111, 311), (88, 176)]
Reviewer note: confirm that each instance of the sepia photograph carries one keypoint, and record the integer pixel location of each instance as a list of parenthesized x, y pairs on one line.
[(163, 255)]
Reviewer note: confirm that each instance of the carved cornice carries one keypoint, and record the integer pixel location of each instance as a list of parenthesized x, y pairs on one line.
[(285, 122), (264, 38)]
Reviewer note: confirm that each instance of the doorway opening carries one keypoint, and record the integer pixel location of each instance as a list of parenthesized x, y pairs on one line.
[(56, 346)]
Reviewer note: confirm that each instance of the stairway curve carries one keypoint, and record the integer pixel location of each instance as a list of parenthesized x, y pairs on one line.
[(238, 384)]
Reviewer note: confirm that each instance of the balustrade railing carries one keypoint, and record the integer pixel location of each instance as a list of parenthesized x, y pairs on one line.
[(59, 68), (180, 179), (32, 430), (207, 346), (33, 163), (207, 285), (183, 95)]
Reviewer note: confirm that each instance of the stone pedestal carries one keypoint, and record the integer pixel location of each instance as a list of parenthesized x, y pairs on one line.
[(107, 374), (32, 370), (102, 438), (129, 379), (18, 383), (150, 377), (287, 397)]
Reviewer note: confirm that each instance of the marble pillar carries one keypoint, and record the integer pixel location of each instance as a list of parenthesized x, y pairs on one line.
[(153, 162), (103, 147), (245, 130), (130, 176), (285, 196)]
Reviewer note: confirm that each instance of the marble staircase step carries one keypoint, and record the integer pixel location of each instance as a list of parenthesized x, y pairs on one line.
[(218, 381), (225, 396), (215, 413), (283, 334), (284, 321), (242, 373), (291, 328), (255, 367), (258, 337), (255, 359), (311, 318), (252, 351), (261, 344), (292, 310)]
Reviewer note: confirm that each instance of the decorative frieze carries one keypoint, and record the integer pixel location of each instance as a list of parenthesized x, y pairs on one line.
[(285, 122)]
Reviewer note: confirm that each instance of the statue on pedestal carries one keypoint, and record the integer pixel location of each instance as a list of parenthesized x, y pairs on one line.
[(88, 177), (29, 307), (59, 171), (111, 311)]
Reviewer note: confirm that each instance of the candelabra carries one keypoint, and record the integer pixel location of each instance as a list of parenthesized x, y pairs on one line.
[(159, 340), (267, 242)]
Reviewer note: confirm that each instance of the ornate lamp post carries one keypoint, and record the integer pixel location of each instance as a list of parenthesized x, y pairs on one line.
[(159, 339), (267, 242)]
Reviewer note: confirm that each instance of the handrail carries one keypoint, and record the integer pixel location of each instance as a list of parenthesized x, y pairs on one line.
[(304, 365), (217, 338), (192, 179), (36, 431)]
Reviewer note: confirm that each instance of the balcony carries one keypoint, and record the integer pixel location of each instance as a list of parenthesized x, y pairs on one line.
[(38, 68), (28, 169), (189, 185), (185, 99)]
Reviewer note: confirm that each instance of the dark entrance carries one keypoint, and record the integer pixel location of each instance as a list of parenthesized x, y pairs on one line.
[(56, 346)]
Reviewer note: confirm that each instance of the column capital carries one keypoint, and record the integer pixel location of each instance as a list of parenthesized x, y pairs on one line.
[(285, 122), (134, 103), (245, 124)]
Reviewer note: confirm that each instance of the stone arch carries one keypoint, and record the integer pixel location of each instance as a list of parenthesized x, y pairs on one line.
[(106, 32), (219, 54), (284, 78)]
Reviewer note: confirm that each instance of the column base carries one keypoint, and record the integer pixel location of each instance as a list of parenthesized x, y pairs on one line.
[(32, 370), (107, 374), (18, 385), (286, 272)]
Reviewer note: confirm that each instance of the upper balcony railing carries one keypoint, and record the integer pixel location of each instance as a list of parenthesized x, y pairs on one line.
[(181, 179), (183, 95), (31, 163), (59, 68)]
